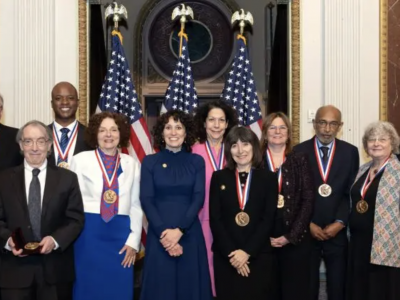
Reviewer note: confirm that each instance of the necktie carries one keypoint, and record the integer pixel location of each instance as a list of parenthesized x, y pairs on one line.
[(34, 205), (63, 142), (324, 155)]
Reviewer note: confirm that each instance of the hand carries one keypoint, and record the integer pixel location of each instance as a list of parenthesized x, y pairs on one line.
[(130, 255), (238, 258), (47, 244), (15, 251), (318, 233), (177, 250), (279, 242), (244, 271), (170, 237), (332, 229)]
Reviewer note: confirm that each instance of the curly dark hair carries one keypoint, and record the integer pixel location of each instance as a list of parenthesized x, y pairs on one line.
[(245, 135), (177, 115), (202, 114), (94, 125)]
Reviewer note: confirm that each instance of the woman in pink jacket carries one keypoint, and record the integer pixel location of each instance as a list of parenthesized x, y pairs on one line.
[(213, 120)]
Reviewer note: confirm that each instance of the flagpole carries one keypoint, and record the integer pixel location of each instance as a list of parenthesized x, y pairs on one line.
[(183, 12)]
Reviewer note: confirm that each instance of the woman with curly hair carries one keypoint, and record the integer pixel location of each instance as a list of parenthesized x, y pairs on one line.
[(213, 121), (109, 181), (172, 193)]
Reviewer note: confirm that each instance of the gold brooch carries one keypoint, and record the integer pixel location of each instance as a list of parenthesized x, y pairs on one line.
[(222, 187)]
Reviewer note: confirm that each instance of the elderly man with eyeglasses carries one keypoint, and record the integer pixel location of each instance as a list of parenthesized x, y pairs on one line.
[(41, 215), (9, 149), (334, 164)]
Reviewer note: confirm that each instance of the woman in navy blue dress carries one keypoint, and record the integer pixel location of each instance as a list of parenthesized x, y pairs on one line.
[(172, 193)]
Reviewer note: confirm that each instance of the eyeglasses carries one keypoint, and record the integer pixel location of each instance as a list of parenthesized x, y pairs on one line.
[(324, 124), (381, 140), (281, 128), (39, 142)]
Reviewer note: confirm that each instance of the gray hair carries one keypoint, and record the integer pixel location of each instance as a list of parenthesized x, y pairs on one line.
[(36, 123), (1, 101), (380, 128)]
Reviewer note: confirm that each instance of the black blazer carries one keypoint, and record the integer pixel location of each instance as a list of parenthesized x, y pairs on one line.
[(298, 190), (62, 218), (342, 174), (80, 145), (261, 207), (10, 155)]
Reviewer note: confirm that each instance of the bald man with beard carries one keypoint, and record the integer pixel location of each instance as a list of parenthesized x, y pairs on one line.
[(69, 134)]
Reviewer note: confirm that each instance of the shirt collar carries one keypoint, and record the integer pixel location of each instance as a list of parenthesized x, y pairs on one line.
[(70, 126), (319, 144), (29, 168)]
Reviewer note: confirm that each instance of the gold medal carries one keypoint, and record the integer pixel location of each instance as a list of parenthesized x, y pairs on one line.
[(31, 246), (63, 165), (110, 196), (281, 201), (362, 206), (325, 190), (242, 219)]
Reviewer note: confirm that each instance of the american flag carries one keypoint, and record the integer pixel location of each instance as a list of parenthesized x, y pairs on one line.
[(240, 90), (181, 93), (118, 95)]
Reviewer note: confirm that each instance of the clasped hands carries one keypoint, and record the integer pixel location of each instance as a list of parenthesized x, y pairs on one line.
[(327, 233), (279, 242), (47, 244), (169, 239), (240, 261)]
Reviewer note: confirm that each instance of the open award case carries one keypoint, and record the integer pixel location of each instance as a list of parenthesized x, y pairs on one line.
[(28, 248)]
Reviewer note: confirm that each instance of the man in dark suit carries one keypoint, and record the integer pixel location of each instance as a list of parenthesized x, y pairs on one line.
[(69, 134), (45, 203), (334, 164), (9, 149)]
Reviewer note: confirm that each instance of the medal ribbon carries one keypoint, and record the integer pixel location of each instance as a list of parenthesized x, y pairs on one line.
[(273, 169), (368, 182), (243, 194), (74, 133), (109, 182), (324, 173), (212, 159)]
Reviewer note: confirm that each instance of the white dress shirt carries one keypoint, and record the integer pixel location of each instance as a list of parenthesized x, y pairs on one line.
[(58, 128)]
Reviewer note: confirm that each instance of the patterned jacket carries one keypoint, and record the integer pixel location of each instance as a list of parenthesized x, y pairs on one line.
[(386, 237)]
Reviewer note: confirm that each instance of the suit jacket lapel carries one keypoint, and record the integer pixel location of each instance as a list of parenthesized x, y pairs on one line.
[(52, 178), (20, 190)]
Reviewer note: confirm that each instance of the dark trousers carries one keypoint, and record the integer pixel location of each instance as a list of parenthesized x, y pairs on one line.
[(39, 290), (334, 256), (294, 270)]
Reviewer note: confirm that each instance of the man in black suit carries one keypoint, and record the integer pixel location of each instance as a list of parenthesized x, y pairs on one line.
[(45, 203), (69, 134), (334, 164), (9, 149)]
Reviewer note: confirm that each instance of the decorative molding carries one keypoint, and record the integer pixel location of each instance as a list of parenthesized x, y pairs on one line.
[(295, 70), (383, 71), (83, 62)]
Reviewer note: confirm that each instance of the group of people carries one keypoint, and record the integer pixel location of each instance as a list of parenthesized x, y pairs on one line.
[(229, 216)]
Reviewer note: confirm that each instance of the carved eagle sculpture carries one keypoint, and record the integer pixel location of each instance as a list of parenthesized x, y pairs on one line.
[(118, 12), (184, 13), (242, 18)]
